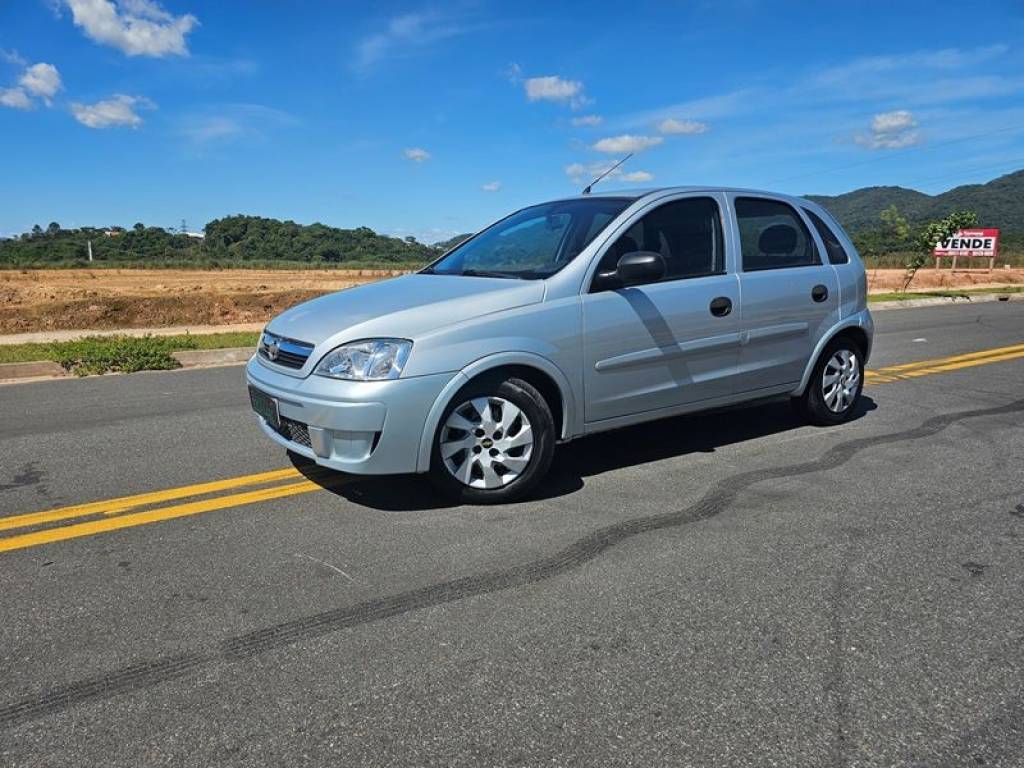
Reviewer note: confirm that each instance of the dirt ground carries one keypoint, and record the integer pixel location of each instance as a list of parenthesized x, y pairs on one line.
[(65, 299), (885, 280), (58, 299)]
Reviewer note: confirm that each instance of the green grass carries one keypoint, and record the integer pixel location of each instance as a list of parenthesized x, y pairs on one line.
[(218, 340), (213, 265), (126, 354), (952, 294)]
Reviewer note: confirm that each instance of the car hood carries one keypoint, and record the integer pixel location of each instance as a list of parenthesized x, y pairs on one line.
[(402, 307)]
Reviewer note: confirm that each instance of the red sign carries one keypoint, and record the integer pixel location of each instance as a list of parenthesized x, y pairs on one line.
[(970, 243)]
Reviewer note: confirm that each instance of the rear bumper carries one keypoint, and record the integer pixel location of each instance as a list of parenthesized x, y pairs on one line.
[(367, 428)]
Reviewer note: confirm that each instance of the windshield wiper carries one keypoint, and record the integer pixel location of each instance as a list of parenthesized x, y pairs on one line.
[(490, 273)]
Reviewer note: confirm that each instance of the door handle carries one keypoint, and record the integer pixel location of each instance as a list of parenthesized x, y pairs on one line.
[(819, 293), (721, 306)]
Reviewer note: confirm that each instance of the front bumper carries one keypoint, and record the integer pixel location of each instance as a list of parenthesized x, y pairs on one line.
[(362, 427)]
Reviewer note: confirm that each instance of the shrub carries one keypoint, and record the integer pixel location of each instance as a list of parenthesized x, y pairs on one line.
[(125, 354)]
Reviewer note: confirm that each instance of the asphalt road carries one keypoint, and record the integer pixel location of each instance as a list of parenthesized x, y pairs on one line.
[(727, 589)]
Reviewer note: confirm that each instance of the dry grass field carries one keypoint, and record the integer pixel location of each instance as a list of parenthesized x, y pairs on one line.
[(58, 299), (64, 299)]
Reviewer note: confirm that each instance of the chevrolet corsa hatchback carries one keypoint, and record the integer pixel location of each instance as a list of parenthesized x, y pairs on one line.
[(564, 319)]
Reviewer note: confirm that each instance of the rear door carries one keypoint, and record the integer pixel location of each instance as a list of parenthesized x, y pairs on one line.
[(671, 342), (790, 294)]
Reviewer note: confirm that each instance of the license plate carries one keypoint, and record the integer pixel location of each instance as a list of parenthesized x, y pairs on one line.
[(265, 406)]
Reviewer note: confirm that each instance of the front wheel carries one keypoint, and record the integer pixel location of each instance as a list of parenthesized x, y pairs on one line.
[(494, 443), (835, 385)]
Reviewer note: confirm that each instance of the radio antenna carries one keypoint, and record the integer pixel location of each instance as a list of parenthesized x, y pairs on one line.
[(586, 189)]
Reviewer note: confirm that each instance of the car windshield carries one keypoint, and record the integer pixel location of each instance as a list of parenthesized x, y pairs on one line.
[(533, 243)]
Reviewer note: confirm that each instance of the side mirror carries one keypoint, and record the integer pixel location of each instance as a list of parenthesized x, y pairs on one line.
[(640, 267)]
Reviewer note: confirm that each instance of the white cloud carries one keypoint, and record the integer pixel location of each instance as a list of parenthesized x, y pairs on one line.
[(587, 120), (491, 186), (118, 110), (416, 154), (218, 124), (627, 143), (858, 71), (12, 57), (891, 130), (557, 89), (580, 174), (41, 79), (707, 108), (15, 98), (890, 122), (212, 128), (671, 126), (404, 34), (135, 27)]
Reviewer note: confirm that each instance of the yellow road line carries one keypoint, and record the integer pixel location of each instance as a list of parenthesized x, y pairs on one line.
[(943, 364), (124, 503), (106, 524), (110, 508)]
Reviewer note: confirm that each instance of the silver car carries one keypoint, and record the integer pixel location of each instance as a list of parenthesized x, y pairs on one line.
[(564, 319)]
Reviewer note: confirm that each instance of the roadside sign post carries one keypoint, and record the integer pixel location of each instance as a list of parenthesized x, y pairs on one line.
[(969, 244)]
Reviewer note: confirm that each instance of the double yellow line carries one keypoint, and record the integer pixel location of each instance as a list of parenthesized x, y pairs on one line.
[(943, 364), (107, 514), (153, 507)]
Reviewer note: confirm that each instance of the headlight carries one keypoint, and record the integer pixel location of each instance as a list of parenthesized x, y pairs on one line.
[(369, 360)]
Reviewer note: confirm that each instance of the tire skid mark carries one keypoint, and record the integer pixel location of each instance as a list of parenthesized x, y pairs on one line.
[(716, 500)]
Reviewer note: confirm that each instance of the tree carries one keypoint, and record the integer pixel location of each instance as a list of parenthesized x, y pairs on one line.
[(53, 228), (37, 231), (139, 226), (894, 225), (933, 233)]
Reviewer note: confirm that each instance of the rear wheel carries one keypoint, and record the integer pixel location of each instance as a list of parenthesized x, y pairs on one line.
[(835, 385), (494, 443)]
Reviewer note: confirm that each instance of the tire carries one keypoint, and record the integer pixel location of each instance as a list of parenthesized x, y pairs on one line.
[(833, 401), (496, 456)]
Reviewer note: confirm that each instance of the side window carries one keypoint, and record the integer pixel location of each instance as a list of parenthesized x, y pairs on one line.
[(836, 253), (687, 233), (773, 236)]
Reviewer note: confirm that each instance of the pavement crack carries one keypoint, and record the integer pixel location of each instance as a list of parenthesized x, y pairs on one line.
[(716, 500)]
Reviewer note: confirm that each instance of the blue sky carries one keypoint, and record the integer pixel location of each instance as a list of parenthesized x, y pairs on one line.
[(432, 119)]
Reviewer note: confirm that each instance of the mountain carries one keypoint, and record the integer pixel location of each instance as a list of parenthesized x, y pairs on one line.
[(447, 245), (999, 203)]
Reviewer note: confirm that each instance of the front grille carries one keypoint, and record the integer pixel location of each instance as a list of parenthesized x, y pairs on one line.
[(283, 351), (289, 360), (295, 431)]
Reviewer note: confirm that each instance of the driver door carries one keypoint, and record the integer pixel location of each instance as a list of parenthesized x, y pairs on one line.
[(668, 343)]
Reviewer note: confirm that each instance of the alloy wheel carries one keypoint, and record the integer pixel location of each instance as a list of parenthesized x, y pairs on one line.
[(840, 380), (486, 442)]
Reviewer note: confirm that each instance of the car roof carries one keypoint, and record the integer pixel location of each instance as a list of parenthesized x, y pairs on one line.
[(636, 194)]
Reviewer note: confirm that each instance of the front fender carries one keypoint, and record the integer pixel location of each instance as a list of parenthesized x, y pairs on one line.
[(861, 319), (571, 415)]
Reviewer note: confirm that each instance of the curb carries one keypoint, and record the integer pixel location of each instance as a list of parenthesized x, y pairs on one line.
[(944, 301), (205, 358), (190, 358), (42, 368)]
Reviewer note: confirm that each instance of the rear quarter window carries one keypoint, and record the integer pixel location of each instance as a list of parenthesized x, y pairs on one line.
[(836, 253)]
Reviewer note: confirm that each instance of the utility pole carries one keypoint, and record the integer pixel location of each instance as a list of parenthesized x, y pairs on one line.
[(89, 243)]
